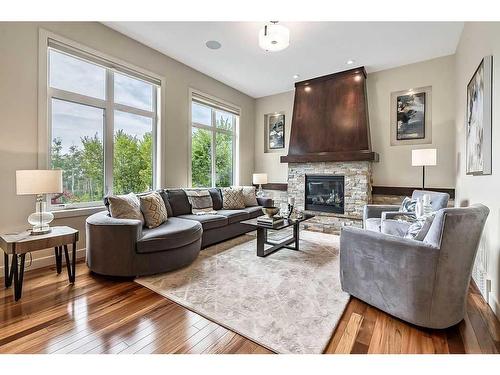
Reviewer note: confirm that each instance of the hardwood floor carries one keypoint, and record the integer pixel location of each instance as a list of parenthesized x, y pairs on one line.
[(99, 315)]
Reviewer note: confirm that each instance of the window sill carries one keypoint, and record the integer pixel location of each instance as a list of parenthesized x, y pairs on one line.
[(75, 212)]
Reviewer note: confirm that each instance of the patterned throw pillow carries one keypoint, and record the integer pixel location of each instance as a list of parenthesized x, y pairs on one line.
[(125, 207), (201, 202), (408, 205), (153, 209), (249, 196), (418, 230), (232, 199)]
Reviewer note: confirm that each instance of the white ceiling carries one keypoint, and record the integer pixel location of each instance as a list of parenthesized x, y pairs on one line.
[(316, 48)]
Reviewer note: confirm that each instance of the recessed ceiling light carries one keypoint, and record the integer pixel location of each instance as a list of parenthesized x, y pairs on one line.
[(295, 76), (213, 44), (350, 62)]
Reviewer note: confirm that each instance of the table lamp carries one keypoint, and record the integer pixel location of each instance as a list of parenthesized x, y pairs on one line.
[(422, 158), (259, 179), (39, 182)]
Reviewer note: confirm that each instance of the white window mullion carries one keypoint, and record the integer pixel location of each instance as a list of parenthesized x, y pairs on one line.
[(214, 135), (109, 134)]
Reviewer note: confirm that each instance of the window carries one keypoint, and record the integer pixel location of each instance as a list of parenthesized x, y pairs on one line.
[(102, 126), (213, 139)]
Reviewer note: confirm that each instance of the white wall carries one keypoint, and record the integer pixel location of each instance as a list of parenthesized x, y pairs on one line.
[(479, 40), (394, 168), (270, 162), (19, 112)]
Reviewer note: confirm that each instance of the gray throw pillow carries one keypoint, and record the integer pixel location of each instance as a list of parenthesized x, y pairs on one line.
[(201, 202), (418, 230)]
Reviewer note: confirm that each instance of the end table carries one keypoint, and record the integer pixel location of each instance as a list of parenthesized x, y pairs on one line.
[(17, 245)]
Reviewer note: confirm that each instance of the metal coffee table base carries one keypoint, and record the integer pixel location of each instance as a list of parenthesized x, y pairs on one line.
[(275, 246)]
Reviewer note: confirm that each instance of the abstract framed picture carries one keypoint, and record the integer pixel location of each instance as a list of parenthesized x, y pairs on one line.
[(411, 121), (478, 120), (410, 115), (276, 131)]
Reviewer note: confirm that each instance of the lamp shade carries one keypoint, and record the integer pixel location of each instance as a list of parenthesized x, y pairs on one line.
[(260, 178), (423, 157), (38, 181)]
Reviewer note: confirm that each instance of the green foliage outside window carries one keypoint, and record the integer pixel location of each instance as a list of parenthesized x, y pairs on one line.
[(201, 155), (83, 167)]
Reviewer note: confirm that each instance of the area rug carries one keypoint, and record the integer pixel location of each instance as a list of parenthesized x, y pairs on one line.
[(289, 301)]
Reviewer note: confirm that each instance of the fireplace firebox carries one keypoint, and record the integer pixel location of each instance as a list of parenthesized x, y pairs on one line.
[(324, 193)]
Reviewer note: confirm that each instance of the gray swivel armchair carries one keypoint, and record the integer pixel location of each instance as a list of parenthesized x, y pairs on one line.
[(375, 214), (422, 282)]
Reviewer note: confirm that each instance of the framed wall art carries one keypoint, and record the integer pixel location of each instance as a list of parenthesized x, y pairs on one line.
[(478, 120), (411, 116)]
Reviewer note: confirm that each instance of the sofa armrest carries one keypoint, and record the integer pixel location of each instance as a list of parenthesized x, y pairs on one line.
[(375, 210), (265, 201), (111, 243)]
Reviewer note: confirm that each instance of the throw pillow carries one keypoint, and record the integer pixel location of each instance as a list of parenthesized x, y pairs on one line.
[(201, 202), (418, 230), (249, 196), (232, 199), (153, 209), (125, 207), (408, 205), (216, 198)]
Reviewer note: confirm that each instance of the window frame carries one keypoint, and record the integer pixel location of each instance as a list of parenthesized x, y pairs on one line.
[(217, 105), (47, 41)]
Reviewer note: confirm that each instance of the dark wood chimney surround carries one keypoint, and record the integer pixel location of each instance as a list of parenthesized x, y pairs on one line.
[(330, 119)]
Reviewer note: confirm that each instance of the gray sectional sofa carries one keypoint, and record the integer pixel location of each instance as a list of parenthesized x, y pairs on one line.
[(123, 247)]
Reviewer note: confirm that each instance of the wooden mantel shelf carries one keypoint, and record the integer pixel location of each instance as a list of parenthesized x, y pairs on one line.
[(331, 156)]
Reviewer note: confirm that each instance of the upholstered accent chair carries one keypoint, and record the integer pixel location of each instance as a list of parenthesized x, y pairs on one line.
[(421, 282), (375, 214)]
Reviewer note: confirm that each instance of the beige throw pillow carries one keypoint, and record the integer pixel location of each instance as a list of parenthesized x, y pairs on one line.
[(249, 196), (201, 202), (154, 210), (125, 207), (232, 199)]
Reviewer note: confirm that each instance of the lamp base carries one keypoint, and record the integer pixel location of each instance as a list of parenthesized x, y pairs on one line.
[(260, 193), (40, 231), (41, 218)]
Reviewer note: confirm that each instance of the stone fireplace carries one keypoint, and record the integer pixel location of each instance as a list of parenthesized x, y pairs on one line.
[(356, 175)]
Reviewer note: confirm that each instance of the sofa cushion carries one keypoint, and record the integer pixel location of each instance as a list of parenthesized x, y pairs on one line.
[(172, 234), (249, 196), (394, 227), (373, 224), (234, 216), (207, 221), (254, 211), (178, 201), (216, 198)]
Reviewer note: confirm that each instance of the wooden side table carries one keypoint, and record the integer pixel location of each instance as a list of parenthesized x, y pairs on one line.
[(17, 245)]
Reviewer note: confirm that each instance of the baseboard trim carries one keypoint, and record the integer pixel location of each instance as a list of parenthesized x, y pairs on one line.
[(48, 260)]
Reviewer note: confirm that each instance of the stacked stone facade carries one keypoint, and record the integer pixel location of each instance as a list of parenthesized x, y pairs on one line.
[(357, 192)]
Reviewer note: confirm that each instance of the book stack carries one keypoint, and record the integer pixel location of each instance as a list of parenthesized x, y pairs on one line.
[(271, 221)]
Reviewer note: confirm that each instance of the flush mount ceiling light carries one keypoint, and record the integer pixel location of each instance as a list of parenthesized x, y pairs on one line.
[(274, 37), (213, 44)]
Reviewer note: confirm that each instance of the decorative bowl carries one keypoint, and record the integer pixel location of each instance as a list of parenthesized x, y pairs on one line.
[(270, 211)]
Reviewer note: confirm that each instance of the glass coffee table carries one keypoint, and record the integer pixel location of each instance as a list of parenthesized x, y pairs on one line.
[(289, 242)]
